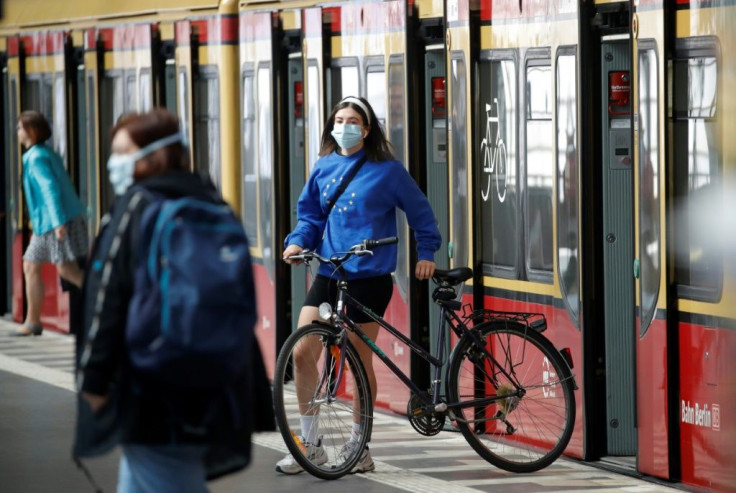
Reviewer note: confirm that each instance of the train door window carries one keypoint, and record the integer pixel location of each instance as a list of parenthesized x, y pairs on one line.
[(206, 117), (265, 165), (314, 123), (37, 95), (567, 180), (540, 170), (459, 168), (396, 136), (396, 120), (112, 106), (145, 94), (649, 196), (59, 117), (698, 170), (345, 79), (250, 161), (496, 143), (183, 88)]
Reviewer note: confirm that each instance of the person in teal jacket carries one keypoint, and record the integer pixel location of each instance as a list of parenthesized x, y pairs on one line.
[(56, 214), (366, 210)]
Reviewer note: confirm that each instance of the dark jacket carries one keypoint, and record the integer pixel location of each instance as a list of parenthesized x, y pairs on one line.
[(137, 412)]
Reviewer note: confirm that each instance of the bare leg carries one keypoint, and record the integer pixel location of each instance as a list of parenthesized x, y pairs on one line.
[(34, 291), (366, 356), (305, 372), (71, 272)]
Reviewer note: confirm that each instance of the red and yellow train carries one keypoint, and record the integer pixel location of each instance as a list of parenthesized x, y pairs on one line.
[(576, 153)]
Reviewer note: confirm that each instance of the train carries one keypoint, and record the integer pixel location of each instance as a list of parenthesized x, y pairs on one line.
[(576, 154)]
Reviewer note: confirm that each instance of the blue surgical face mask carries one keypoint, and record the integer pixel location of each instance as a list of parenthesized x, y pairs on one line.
[(121, 167), (347, 135)]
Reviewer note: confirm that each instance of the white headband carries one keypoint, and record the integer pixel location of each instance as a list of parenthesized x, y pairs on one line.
[(360, 104)]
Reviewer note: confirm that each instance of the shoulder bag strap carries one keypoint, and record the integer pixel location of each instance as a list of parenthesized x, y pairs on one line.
[(345, 182)]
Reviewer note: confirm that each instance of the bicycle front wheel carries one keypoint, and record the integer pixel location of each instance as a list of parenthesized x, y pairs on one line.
[(515, 396), (310, 381)]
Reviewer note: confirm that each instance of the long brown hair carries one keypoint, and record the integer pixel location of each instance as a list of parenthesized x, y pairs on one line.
[(36, 126), (377, 148), (146, 128)]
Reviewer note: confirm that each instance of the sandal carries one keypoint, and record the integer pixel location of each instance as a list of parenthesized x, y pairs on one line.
[(26, 330)]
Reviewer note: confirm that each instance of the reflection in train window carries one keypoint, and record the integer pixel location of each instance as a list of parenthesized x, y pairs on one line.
[(496, 165), (206, 118), (649, 196), (698, 176), (182, 87), (249, 161), (112, 106), (567, 181), (343, 79), (92, 209), (540, 171), (145, 93)]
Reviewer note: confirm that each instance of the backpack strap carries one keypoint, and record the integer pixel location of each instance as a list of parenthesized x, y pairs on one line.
[(344, 183)]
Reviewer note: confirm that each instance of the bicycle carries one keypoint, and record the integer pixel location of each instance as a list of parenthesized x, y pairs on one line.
[(510, 392), (494, 157)]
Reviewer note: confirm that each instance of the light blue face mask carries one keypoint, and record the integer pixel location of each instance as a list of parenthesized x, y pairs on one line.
[(347, 135), (121, 167)]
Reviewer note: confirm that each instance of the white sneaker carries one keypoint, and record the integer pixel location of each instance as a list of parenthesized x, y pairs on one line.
[(365, 464), (316, 454)]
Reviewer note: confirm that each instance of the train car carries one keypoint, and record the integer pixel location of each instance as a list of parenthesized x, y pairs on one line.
[(576, 154)]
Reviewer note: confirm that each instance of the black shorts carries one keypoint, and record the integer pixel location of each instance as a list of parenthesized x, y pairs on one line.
[(373, 292)]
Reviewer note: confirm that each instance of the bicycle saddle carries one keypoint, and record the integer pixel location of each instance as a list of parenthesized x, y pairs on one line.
[(453, 277)]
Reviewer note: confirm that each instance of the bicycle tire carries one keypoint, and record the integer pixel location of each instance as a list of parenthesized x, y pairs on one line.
[(335, 416), (538, 425)]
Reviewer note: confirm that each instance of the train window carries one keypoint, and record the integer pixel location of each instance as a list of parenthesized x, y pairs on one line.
[(59, 117), (265, 168), (697, 172), (206, 117), (314, 115), (497, 164), (458, 167), (145, 92), (376, 92), (540, 171), (91, 154), (183, 88), (649, 196), (112, 106), (567, 180), (344, 79), (250, 177)]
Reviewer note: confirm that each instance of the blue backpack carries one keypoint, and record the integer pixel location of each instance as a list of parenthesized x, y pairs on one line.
[(191, 317)]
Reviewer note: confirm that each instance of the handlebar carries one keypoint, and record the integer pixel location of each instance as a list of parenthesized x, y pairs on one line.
[(364, 248)]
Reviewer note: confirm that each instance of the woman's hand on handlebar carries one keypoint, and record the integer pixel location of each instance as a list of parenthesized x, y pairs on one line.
[(292, 250), (424, 270)]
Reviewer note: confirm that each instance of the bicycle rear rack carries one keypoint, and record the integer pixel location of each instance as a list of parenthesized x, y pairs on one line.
[(534, 321)]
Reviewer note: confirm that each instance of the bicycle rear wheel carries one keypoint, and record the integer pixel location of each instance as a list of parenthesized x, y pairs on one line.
[(319, 388), (530, 418)]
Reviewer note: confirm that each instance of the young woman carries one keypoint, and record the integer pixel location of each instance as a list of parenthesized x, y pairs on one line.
[(161, 449), (365, 210), (56, 213)]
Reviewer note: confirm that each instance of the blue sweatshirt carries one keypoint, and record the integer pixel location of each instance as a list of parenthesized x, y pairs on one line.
[(365, 210)]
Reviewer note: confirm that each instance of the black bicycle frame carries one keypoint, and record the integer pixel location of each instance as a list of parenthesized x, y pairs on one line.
[(447, 317)]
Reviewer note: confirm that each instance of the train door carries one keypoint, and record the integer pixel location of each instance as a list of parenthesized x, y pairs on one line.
[(125, 85), (263, 214), (618, 245), (459, 244), (43, 87), (654, 352), (8, 186)]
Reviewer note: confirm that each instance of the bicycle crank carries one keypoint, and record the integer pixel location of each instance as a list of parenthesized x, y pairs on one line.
[(423, 418)]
